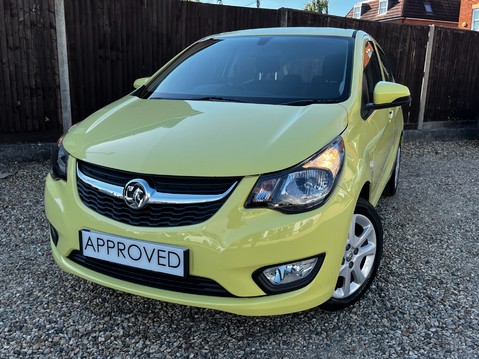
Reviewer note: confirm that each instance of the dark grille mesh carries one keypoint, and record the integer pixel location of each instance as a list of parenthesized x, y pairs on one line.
[(189, 284), (153, 215)]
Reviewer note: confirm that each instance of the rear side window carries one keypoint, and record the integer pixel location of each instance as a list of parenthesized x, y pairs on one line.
[(371, 76), (388, 74)]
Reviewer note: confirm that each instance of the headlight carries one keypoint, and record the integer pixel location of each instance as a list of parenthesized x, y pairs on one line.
[(303, 187), (59, 161)]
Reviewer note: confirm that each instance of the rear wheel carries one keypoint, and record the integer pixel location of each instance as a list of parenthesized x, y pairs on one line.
[(392, 185), (361, 257)]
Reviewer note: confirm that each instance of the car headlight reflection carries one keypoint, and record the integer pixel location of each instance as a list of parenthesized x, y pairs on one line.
[(288, 273), (303, 187), (59, 161), (287, 277)]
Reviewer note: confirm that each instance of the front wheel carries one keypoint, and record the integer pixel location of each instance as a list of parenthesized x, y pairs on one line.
[(361, 257)]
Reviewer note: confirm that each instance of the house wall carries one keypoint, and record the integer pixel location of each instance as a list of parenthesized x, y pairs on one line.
[(465, 15)]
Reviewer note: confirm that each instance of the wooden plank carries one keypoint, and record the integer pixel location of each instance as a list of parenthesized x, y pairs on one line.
[(154, 37), (117, 63), (14, 117), (133, 46), (131, 73), (32, 62), (26, 89), (20, 124), (5, 102), (90, 66), (47, 120), (39, 62)]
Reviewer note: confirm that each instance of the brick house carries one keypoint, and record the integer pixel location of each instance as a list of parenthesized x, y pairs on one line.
[(414, 12), (469, 15)]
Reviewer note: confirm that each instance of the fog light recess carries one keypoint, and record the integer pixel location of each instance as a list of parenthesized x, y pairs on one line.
[(290, 276), (54, 235)]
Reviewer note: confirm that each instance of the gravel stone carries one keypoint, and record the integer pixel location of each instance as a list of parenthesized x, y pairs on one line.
[(424, 302)]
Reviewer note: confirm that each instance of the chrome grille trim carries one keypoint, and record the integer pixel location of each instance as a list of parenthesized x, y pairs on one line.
[(156, 197)]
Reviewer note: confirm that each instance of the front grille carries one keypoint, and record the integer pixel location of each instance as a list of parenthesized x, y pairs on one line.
[(189, 284), (165, 184), (153, 215)]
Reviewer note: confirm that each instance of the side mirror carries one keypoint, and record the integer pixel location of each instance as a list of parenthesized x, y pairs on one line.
[(389, 94), (140, 82)]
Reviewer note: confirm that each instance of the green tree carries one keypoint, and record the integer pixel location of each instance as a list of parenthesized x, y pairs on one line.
[(320, 6)]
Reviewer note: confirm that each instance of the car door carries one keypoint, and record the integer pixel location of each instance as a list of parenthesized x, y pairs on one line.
[(395, 113), (380, 121)]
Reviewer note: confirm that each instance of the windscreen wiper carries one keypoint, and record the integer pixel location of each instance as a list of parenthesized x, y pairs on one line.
[(306, 102), (214, 98)]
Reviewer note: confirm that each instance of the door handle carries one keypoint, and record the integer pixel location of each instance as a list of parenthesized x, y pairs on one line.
[(391, 113)]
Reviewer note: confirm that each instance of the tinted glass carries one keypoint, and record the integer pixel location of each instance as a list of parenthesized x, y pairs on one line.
[(371, 76), (275, 70), (388, 74)]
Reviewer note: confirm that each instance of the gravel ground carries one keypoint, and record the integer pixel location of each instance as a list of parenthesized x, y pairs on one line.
[(423, 304)]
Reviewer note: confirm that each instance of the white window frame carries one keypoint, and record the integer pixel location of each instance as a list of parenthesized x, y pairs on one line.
[(357, 11), (475, 20), (383, 7)]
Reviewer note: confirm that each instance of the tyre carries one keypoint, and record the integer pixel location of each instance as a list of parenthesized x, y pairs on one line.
[(361, 258), (392, 185)]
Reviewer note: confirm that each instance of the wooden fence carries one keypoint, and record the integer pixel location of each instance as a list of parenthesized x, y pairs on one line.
[(29, 91), (453, 91), (112, 42)]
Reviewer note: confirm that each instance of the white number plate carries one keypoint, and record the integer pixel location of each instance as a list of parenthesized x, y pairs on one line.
[(135, 253)]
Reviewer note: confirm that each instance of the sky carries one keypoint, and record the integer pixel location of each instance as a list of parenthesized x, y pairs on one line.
[(336, 7)]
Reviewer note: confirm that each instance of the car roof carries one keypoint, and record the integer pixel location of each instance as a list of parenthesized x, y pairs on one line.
[(272, 31)]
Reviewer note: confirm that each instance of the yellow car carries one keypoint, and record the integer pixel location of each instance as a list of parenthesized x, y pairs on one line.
[(242, 176)]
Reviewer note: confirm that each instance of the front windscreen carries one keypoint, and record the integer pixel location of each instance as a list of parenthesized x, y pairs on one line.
[(260, 69)]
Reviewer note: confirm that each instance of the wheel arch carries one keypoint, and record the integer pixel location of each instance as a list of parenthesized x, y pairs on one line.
[(365, 191)]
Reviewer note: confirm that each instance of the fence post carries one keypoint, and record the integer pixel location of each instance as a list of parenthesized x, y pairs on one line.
[(425, 79), (283, 17), (63, 64)]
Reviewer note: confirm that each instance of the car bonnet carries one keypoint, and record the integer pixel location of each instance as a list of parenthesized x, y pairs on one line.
[(203, 138)]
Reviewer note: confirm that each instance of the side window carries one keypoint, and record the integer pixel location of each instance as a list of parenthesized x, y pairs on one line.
[(388, 74), (371, 76)]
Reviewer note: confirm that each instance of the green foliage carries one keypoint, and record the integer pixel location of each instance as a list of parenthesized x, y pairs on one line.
[(320, 6)]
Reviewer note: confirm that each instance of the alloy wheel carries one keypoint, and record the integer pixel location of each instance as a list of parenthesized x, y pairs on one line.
[(358, 259)]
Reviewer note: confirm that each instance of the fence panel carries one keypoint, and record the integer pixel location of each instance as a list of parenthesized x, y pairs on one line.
[(29, 84), (453, 84)]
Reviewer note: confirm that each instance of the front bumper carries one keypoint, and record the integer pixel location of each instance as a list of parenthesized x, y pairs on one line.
[(228, 248)]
